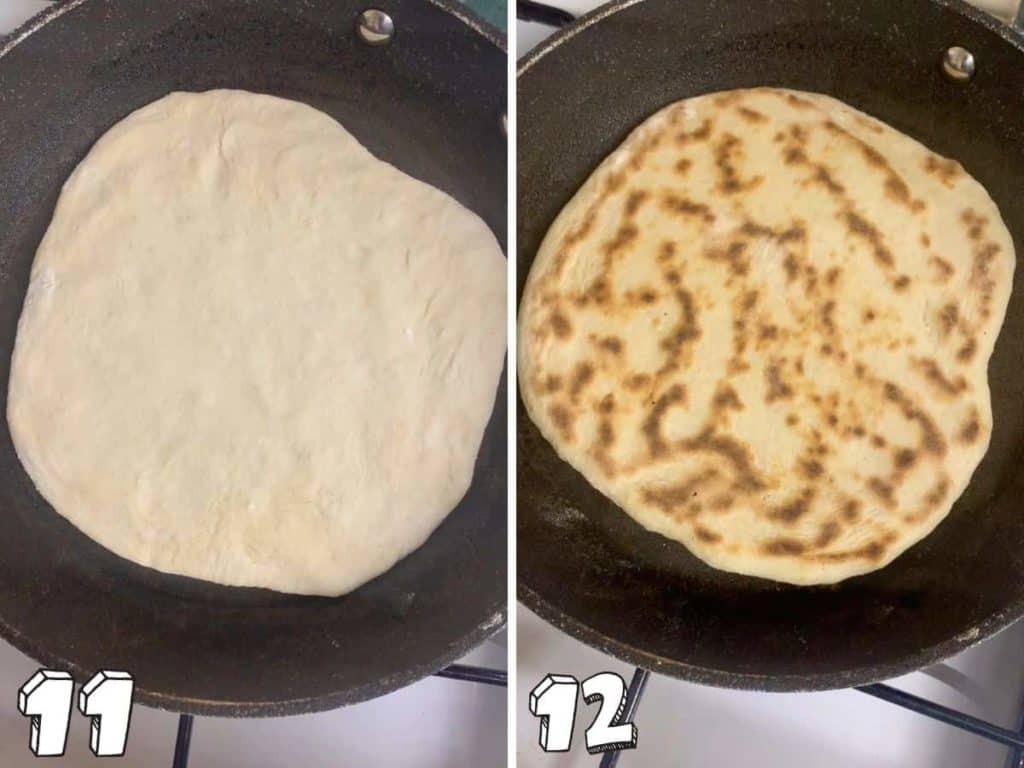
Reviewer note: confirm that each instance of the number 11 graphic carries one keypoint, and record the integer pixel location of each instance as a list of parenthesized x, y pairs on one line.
[(46, 698), (106, 699)]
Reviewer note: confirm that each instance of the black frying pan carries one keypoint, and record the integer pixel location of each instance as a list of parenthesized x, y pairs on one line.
[(587, 567), (430, 102)]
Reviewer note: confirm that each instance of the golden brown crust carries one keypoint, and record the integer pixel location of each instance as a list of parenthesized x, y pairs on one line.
[(742, 331)]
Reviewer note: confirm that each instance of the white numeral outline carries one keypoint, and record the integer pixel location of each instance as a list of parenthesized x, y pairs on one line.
[(553, 700), (46, 699), (607, 733), (107, 700)]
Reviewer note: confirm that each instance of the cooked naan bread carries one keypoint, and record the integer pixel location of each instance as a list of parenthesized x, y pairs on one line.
[(762, 328)]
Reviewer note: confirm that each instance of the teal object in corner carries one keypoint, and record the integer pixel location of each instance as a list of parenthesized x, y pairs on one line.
[(494, 11)]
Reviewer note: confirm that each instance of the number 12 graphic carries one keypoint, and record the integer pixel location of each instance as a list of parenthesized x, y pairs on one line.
[(554, 701), (106, 699)]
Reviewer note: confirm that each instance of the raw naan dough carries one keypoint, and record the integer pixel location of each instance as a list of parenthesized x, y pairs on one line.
[(762, 328), (253, 353)]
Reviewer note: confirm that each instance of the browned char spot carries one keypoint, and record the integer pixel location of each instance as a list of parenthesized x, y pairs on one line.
[(867, 231), (938, 492), (974, 222), (670, 498), (732, 255), (733, 451), (683, 165), (895, 187), (949, 316), (560, 325), (611, 344), (795, 233), (700, 134), (794, 156), (626, 234), (722, 502), (675, 204), (903, 459), (581, 377), (614, 182), (652, 424), (686, 330), (751, 115), (635, 200), (725, 398), (753, 229), (792, 267), (823, 176), (562, 420), (638, 381), (767, 332), (966, 353), (828, 533), (944, 268), (871, 551), (851, 510), (727, 152), (775, 387), (783, 546), (932, 441), (946, 170), (971, 428), (811, 468), (939, 380), (706, 535), (883, 491)]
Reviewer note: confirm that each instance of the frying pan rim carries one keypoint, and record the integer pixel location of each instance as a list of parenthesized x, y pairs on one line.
[(58, 8), (487, 627), (1006, 31), (904, 664)]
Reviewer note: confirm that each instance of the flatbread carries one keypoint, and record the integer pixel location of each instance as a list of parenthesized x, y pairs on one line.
[(762, 328), (253, 353)]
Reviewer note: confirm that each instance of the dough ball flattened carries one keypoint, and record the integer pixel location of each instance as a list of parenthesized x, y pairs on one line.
[(253, 353), (762, 328)]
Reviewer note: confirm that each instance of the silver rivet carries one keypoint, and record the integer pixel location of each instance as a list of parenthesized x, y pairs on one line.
[(375, 27), (958, 64), (504, 124)]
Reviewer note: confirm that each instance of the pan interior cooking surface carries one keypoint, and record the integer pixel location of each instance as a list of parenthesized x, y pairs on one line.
[(192, 645), (586, 566)]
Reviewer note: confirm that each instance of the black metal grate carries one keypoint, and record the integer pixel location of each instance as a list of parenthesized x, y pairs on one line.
[(464, 672), (1012, 739)]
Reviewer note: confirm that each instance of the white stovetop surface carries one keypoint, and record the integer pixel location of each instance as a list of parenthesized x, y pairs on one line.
[(434, 723), (681, 724)]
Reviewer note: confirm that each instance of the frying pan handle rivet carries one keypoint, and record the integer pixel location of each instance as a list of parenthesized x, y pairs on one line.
[(504, 124), (375, 27), (958, 64)]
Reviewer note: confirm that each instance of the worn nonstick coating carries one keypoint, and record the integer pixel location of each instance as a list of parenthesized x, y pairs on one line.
[(587, 567), (431, 102)]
